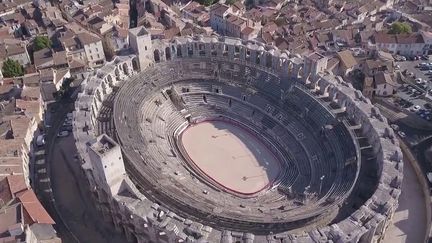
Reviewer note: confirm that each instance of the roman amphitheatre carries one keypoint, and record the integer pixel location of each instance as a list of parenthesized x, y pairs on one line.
[(214, 139)]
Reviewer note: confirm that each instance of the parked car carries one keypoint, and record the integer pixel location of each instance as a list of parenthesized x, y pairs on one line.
[(415, 108), (402, 134), (395, 127), (67, 128), (63, 134), (67, 123), (40, 140)]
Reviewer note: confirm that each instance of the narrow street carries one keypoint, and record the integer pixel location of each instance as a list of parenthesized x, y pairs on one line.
[(61, 186)]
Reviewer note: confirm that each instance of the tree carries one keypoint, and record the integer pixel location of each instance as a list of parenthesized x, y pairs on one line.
[(41, 42), (12, 68), (230, 2), (400, 28), (206, 2)]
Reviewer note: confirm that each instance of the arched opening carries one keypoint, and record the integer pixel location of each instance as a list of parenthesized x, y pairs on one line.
[(167, 53), (125, 68), (290, 68), (269, 60), (110, 81), (135, 64), (156, 55), (98, 96), (179, 51), (300, 73), (190, 50), (117, 72), (104, 91)]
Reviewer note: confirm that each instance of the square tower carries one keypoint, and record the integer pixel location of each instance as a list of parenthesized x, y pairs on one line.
[(141, 43), (108, 167), (314, 63)]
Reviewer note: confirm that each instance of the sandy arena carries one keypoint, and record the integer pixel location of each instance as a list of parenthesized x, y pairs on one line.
[(231, 156)]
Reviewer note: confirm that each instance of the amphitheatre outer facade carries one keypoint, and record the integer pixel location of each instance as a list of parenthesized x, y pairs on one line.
[(340, 165)]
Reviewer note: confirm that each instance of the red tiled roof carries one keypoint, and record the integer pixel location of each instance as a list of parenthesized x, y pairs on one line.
[(35, 211)]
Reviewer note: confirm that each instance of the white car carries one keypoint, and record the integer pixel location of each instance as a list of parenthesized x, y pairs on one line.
[(69, 116), (419, 81), (415, 108), (40, 140), (395, 127), (67, 123), (63, 134), (402, 134)]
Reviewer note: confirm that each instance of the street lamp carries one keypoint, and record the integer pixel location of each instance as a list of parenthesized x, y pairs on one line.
[(321, 180)]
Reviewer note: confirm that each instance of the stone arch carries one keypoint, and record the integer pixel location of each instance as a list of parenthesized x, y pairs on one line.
[(110, 80), (167, 53), (269, 60), (117, 72), (98, 96), (190, 50), (179, 51), (290, 68), (125, 68), (300, 72), (104, 88), (135, 64), (258, 58), (156, 55)]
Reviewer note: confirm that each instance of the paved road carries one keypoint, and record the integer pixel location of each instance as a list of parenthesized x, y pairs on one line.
[(409, 221), (60, 184), (73, 197)]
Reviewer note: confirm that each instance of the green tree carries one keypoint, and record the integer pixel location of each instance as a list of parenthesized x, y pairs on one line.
[(400, 28), (12, 68), (230, 2), (206, 2), (41, 42)]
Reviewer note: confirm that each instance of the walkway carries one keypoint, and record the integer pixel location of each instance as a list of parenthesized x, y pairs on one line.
[(409, 221)]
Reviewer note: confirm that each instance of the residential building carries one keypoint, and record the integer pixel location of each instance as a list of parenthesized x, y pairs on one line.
[(384, 84), (401, 44), (347, 62), (84, 47), (15, 50)]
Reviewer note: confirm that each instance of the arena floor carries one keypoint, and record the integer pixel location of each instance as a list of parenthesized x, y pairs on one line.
[(230, 155)]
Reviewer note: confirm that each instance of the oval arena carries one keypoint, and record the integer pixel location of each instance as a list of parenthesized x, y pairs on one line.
[(212, 139), (230, 155)]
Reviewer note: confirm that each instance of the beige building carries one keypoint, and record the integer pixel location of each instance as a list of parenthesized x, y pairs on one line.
[(84, 47)]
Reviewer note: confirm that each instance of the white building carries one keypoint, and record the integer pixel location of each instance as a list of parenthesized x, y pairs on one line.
[(84, 47), (15, 50), (384, 84), (218, 15), (402, 44)]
